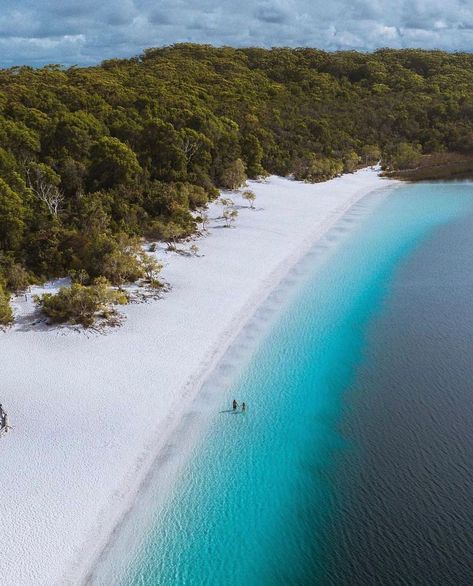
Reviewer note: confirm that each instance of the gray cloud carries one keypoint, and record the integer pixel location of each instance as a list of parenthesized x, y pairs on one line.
[(86, 31), (273, 12)]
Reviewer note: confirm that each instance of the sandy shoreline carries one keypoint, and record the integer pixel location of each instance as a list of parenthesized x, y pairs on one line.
[(91, 414)]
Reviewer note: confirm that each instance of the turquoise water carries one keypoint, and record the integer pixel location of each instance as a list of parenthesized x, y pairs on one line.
[(254, 502)]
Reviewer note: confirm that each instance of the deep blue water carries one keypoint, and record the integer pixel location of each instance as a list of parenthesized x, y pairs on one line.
[(353, 464)]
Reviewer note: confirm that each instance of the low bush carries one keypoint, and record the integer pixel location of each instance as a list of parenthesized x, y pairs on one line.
[(82, 305)]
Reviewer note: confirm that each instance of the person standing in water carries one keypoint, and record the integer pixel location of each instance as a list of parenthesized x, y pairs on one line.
[(235, 405), (243, 406)]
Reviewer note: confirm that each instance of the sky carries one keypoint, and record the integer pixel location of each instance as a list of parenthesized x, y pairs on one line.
[(82, 32)]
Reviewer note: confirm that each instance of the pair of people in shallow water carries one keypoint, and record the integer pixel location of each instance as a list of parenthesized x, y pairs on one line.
[(235, 405)]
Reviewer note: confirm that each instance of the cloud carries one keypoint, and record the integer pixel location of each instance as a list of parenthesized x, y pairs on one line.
[(274, 13), (70, 32)]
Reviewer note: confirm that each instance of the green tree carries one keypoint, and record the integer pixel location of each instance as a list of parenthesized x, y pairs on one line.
[(234, 175), (113, 163), (12, 214), (73, 134), (23, 142), (163, 153), (253, 154)]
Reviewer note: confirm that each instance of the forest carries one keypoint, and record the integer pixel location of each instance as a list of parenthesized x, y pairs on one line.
[(94, 159)]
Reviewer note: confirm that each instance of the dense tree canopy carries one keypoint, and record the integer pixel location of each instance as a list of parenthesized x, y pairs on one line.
[(131, 147)]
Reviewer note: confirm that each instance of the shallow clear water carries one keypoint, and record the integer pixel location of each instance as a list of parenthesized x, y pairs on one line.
[(306, 487)]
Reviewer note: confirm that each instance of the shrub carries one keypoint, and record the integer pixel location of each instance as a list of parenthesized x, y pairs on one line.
[(17, 278), (121, 265), (350, 162), (314, 168), (230, 215), (250, 197), (150, 267), (196, 196), (234, 175), (169, 232), (78, 304), (6, 314)]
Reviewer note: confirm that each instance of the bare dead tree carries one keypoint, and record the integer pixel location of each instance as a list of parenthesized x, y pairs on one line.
[(204, 220), (44, 190), (190, 146), (25, 160)]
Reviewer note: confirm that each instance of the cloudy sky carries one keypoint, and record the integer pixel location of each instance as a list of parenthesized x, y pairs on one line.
[(71, 32)]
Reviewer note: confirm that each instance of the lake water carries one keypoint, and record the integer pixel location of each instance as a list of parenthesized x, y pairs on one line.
[(353, 464)]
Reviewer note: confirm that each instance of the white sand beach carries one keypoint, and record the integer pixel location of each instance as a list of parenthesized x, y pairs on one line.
[(90, 411)]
